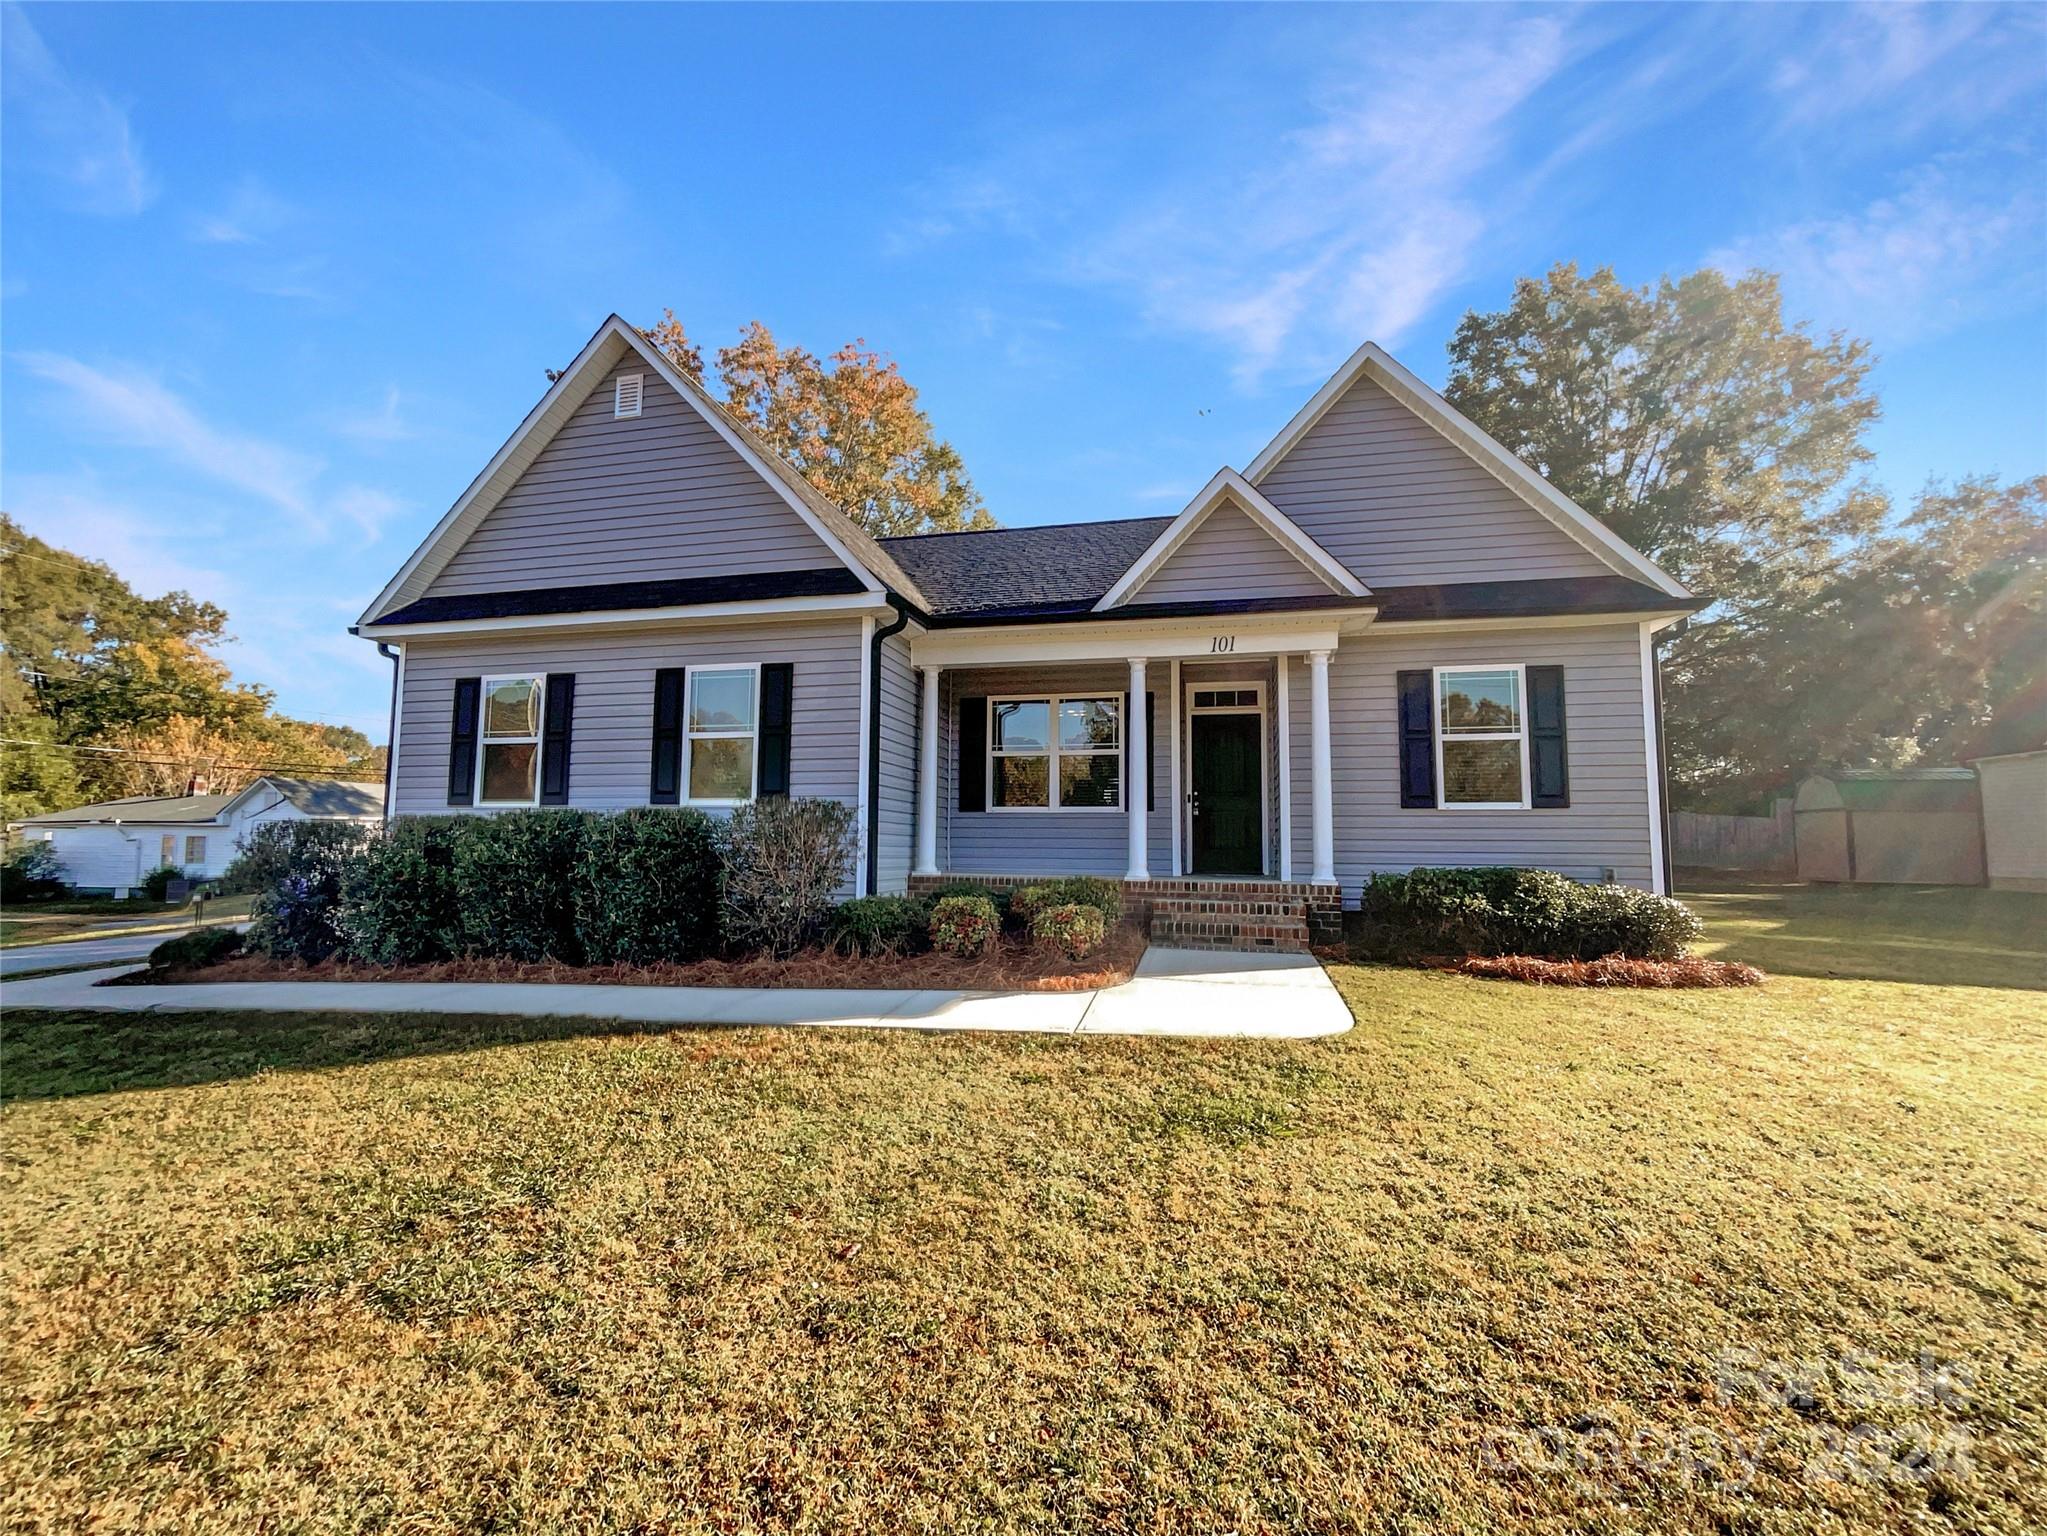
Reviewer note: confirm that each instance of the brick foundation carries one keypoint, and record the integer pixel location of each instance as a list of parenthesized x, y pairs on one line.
[(1205, 911)]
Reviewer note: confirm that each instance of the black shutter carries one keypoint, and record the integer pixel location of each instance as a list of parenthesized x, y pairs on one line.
[(1549, 772), (665, 788), (778, 689), (462, 741), (558, 706), (973, 738), (1417, 739)]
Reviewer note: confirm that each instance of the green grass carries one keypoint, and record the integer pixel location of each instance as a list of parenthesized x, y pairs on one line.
[(329, 1273), (63, 921)]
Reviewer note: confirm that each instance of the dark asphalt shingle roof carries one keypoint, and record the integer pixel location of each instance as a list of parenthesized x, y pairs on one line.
[(1026, 572), (330, 797), (613, 596)]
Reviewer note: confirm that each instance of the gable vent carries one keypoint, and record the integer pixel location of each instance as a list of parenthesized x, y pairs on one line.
[(625, 400)]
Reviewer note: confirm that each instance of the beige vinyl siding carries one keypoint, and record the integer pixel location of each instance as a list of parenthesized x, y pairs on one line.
[(655, 496), (1229, 555), (901, 700), (1400, 504), (1606, 825), (1046, 842), (611, 744)]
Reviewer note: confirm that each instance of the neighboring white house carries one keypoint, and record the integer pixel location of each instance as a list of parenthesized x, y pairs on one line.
[(113, 845)]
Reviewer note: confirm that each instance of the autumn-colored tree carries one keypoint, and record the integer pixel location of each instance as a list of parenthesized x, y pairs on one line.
[(1727, 444), (849, 424)]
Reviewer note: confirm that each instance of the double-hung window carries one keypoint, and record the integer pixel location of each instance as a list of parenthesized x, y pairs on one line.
[(1481, 738), (722, 722), (1055, 753), (195, 850), (508, 764)]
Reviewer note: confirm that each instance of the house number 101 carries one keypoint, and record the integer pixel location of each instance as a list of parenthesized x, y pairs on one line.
[(1220, 644)]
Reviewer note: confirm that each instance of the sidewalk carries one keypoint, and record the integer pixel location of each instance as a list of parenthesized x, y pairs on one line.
[(1175, 992)]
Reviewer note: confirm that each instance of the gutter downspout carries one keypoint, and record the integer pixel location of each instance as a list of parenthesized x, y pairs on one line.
[(394, 656), (881, 633)]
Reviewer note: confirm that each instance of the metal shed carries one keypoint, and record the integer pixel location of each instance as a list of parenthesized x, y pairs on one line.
[(2015, 819), (1919, 826)]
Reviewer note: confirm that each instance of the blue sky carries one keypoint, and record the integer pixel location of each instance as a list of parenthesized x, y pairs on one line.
[(279, 279)]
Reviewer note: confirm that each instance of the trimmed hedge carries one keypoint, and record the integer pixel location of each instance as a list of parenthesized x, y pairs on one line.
[(964, 925), (647, 890), (1508, 911), (398, 903), (515, 877), (297, 916), (999, 900), (1072, 927), (196, 950), (880, 925)]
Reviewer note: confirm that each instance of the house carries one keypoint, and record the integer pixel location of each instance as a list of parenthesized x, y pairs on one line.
[(1386, 642), (2014, 790), (111, 846)]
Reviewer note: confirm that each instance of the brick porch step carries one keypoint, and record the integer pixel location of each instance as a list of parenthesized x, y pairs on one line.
[(1230, 922)]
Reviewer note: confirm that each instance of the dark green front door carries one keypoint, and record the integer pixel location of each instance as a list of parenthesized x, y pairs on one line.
[(1228, 837)]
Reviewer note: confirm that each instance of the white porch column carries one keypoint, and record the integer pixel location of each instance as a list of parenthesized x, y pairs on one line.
[(1283, 717), (1136, 786), (1322, 811), (927, 778)]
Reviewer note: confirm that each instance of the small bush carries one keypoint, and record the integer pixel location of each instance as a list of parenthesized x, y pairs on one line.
[(1533, 912), (1072, 927), (646, 888), (398, 901), (880, 925), (295, 918), (1104, 895), (1025, 903), (515, 877), (196, 950), (31, 872), (999, 900), (1613, 971), (964, 925), (784, 861), (156, 885), (262, 857)]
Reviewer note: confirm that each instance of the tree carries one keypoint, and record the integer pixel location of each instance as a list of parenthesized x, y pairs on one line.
[(849, 424), (1723, 442)]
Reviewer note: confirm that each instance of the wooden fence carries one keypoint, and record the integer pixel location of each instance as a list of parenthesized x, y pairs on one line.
[(1765, 844)]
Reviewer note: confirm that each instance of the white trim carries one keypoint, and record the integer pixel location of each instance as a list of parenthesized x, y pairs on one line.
[(1322, 775), (483, 739), (638, 381), (1282, 707), (928, 679), (1659, 880), (862, 757), (598, 355), (1519, 734), (1460, 430), (391, 751), (1053, 752), (1393, 627), (1179, 804), (1247, 636), (1235, 685), (606, 618), (752, 734), (1135, 742), (1228, 486)]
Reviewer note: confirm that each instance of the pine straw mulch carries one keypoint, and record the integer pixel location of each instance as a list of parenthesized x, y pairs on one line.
[(1612, 971), (1014, 965)]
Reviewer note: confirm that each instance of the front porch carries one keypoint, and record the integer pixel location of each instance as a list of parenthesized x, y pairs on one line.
[(1196, 912)]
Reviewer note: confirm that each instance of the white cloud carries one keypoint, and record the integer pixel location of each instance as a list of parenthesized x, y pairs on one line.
[(1919, 63), (153, 554), (1956, 241), (385, 424), (367, 508), (82, 136)]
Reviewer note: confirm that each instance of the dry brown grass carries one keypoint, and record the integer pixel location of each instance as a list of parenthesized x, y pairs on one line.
[(1502, 1259)]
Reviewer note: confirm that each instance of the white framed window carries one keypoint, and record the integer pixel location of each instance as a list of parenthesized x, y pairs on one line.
[(1482, 737), (169, 845), (508, 746), (1055, 753), (626, 395), (720, 738), (195, 850)]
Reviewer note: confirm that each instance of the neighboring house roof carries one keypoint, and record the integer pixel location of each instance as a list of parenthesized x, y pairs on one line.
[(324, 797), (135, 810), (1893, 789), (1052, 568)]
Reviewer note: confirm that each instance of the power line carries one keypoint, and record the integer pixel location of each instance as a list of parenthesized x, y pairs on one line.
[(212, 763)]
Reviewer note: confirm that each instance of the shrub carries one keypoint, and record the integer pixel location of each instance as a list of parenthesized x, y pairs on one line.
[(880, 925), (999, 900), (196, 950), (262, 857), (515, 878), (398, 902), (294, 918), (1025, 903), (1613, 971), (784, 860), (156, 885), (646, 887), (31, 872), (1104, 895), (1505, 911), (964, 925), (1073, 927)]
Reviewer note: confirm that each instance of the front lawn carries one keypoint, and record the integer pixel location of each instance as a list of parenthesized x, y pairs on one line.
[(1501, 1259)]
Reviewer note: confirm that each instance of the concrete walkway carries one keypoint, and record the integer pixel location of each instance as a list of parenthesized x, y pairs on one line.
[(1174, 992)]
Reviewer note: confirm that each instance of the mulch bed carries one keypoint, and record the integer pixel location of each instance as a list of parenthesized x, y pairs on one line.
[(1014, 965), (1613, 971)]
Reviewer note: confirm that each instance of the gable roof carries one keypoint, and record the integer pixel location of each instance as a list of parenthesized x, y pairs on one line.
[(614, 340), (1024, 572), (1225, 488), (322, 797), (137, 810), (1373, 361)]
